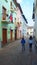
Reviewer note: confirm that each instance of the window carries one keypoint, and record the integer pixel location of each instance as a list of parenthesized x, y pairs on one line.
[(6, 0), (3, 13), (10, 5)]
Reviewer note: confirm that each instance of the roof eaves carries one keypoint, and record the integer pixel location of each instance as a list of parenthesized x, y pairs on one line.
[(17, 4)]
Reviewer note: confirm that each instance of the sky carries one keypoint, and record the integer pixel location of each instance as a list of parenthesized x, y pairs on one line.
[(27, 8)]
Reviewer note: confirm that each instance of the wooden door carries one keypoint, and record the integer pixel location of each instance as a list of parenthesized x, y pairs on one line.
[(15, 34), (20, 33), (4, 36), (11, 35)]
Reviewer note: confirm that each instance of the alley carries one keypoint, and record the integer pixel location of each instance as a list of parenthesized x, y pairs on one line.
[(12, 55), (18, 19)]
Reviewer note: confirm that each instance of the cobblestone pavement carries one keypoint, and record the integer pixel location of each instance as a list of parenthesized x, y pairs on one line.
[(12, 55)]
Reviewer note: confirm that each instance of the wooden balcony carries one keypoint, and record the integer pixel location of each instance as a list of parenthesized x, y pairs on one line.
[(5, 21), (13, 10)]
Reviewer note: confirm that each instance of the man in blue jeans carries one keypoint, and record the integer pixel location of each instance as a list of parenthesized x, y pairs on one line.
[(30, 42), (23, 44)]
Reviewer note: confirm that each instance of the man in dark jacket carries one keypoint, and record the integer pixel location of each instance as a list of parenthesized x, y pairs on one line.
[(23, 43)]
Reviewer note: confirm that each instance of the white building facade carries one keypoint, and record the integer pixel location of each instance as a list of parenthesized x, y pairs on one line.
[(35, 20)]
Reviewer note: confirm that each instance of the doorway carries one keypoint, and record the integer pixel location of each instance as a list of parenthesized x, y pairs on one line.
[(11, 35), (4, 36), (15, 34)]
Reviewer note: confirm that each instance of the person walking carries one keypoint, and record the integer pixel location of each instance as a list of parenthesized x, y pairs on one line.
[(23, 43), (30, 42)]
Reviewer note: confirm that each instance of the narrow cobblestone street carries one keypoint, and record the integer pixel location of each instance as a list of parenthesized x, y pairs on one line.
[(18, 20), (12, 55)]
